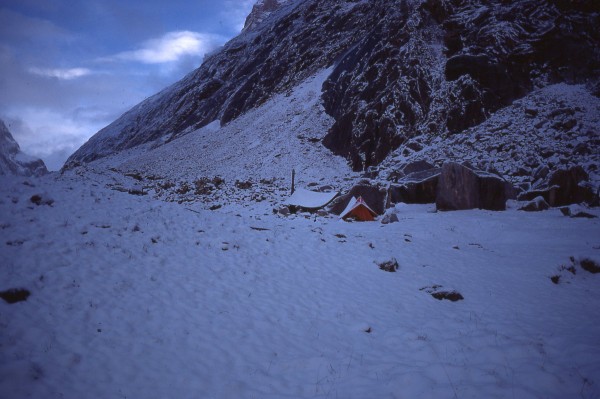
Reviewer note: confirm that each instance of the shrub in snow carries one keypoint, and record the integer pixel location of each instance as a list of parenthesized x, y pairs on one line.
[(217, 181), (449, 295), (184, 188), (166, 185), (243, 185), (438, 294), (203, 186), (40, 199), (389, 266), (590, 265)]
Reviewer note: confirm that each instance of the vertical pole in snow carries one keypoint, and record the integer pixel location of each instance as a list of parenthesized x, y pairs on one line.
[(293, 177)]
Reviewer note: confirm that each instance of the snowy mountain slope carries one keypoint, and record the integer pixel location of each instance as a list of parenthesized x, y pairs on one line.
[(15, 162), (264, 143), (142, 298), (402, 70), (261, 148)]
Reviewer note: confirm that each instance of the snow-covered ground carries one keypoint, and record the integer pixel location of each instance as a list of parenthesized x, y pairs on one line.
[(136, 297)]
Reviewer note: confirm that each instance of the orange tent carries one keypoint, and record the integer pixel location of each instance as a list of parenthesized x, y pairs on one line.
[(359, 210)]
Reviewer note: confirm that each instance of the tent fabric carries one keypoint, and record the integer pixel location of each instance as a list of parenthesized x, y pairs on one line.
[(357, 208), (310, 199), (348, 207)]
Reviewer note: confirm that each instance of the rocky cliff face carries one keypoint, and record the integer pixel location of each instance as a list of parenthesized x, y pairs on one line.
[(261, 11), (13, 161), (401, 69)]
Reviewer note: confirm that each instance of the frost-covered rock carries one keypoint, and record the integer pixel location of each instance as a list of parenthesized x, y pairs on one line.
[(15, 162), (535, 205), (390, 217), (416, 188), (460, 187)]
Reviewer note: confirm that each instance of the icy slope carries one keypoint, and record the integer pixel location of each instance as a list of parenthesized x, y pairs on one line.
[(142, 298), (15, 162)]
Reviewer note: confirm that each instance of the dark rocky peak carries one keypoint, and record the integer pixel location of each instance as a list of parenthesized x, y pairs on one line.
[(260, 11), (300, 39), (399, 82), (401, 69), (13, 161)]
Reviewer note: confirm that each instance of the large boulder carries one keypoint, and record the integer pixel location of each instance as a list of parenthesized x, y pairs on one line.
[(460, 187), (416, 188), (373, 195), (564, 187), (571, 187)]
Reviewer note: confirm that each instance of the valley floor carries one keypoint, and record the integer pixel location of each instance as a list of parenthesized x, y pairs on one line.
[(134, 297)]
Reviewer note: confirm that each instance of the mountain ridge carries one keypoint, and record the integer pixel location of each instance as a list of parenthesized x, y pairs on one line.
[(415, 71)]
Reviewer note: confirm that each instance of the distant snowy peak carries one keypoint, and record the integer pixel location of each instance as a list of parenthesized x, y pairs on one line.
[(261, 10), (13, 161)]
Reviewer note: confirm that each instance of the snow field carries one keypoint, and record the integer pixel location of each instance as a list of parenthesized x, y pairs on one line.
[(137, 298)]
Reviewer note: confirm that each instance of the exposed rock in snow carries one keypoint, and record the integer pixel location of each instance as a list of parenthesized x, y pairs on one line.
[(535, 205), (15, 162)]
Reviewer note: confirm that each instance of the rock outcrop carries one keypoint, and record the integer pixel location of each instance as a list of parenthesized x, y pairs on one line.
[(564, 187), (261, 11), (462, 188)]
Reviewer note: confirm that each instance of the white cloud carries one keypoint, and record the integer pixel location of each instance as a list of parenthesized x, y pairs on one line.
[(59, 73), (172, 47), (52, 135)]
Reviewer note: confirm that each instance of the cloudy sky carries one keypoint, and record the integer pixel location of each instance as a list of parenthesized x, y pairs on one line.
[(70, 67)]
